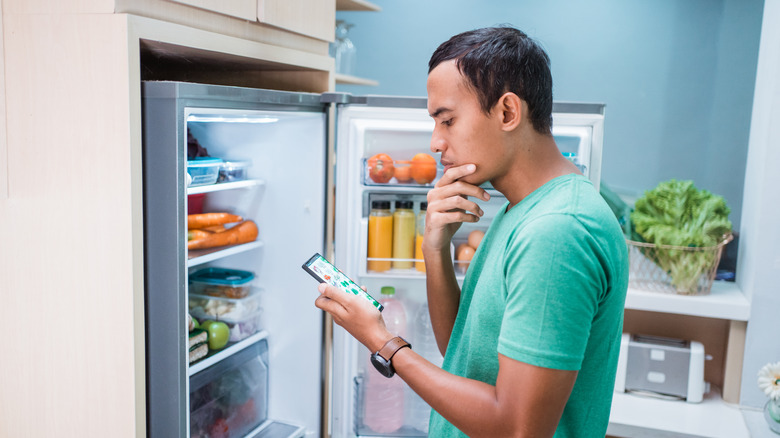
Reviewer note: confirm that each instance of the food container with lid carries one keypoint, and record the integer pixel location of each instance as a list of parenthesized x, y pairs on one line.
[(203, 170), (233, 170), (242, 315), (221, 282)]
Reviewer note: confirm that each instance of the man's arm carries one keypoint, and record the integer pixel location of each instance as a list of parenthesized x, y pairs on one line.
[(526, 401), (447, 209)]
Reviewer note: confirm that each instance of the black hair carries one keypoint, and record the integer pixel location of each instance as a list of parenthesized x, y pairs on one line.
[(500, 59)]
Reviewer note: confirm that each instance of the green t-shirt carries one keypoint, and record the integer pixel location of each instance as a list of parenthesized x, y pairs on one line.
[(547, 287)]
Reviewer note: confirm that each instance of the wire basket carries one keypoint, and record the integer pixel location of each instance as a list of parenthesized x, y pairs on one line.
[(680, 270)]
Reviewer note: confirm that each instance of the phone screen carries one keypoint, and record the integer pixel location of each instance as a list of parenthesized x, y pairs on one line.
[(324, 272)]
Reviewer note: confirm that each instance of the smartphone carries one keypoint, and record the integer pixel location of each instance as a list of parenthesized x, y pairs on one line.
[(324, 272)]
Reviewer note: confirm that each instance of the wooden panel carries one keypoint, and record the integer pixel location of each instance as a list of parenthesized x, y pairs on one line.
[(3, 141), (316, 18), (192, 17), (58, 7), (69, 267), (711, 332), (356, 5), (171, 51), (735, 351), (246, 9)]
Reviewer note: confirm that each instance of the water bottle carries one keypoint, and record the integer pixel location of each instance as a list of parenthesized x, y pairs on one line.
[(384, 398), (425, 344)]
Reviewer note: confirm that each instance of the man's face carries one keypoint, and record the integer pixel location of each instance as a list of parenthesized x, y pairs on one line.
[(463, 133)]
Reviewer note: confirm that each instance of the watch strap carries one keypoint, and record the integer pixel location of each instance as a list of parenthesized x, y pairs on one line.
[(392, 346)]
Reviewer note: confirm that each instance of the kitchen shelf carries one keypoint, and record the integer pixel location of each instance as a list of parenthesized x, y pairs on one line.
[(356, 5), (197, 257), (725, 301), (638, 416), (225, 186), (354, 80), (226, 352)]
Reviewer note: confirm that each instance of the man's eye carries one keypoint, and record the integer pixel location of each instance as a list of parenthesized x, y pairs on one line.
[(447, 122)]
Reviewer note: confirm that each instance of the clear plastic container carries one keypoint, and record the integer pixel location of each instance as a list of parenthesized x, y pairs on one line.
[(241, 315), (233, 170), (221, 282), (230, 399), (224, 309), (203, 171)]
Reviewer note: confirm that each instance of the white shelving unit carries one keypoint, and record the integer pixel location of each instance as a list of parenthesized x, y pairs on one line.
[(638, 416), (725, 301)]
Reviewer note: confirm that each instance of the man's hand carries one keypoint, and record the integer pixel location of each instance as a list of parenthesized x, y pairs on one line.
[(362, 320), (449, 207)]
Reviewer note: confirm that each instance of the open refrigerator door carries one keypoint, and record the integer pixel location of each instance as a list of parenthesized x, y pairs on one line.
[(253, 156), (378, 233)]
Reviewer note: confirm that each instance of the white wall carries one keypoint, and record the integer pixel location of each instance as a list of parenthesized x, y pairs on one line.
[(759, 252)]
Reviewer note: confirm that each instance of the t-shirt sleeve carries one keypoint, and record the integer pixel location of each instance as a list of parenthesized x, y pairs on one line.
[(553, 284)]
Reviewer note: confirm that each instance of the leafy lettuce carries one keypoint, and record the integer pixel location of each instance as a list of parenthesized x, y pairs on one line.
[(676, 213)]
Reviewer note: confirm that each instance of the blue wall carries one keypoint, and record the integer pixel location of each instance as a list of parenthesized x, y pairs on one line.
[(677, 76)]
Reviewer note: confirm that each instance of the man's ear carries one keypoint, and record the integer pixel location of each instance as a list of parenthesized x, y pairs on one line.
[(511, 109)]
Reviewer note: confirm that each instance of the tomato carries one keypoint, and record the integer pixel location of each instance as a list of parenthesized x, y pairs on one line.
[(380, 168), (403, 172), (423, 168), (219, 429)]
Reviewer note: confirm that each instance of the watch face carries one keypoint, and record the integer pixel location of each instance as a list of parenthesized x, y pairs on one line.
[(384, 367)]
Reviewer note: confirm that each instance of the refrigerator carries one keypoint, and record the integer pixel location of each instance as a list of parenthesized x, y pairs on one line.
[(306, 180)]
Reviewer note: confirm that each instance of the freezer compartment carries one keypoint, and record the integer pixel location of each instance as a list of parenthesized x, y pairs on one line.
[(230, 398)]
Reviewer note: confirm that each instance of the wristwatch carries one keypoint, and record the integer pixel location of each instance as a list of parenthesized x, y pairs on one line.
[(382, 358)]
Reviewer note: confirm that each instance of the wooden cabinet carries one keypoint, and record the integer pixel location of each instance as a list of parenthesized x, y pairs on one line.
[(246, 9), (315, 18), (72, 133)]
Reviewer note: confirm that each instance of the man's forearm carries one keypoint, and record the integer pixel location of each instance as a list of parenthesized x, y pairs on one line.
[(443, 294)]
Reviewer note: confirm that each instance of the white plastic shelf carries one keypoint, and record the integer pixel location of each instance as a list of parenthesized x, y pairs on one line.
[(226, 352), (225, 186), (725, 301), (639, 416), (197, 257)]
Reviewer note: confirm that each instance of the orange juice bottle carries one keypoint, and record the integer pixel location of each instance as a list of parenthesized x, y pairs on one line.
[(403, 235), (380, 236), (418, 238)]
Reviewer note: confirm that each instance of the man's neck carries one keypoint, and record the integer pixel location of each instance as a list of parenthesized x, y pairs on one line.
[(538, 160)]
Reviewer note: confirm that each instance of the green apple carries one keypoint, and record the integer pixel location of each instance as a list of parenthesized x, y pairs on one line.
[(219, 333)]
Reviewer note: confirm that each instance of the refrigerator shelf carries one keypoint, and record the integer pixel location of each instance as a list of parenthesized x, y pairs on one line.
[(276, 429), (200, 256), (248, 183), (226, 352)]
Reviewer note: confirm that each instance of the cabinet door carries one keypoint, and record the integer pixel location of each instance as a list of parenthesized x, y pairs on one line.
[(315, 18), (246, 9)]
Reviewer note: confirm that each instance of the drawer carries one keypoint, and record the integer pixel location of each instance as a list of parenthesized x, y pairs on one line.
[(230, 398)]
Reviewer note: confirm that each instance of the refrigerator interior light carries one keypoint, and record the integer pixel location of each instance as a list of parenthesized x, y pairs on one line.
[(231, 119)]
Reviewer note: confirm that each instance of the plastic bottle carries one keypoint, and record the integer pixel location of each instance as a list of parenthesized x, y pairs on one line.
[(424, 344), (403, 234), (384, 398), (380, 236), (418, 238)]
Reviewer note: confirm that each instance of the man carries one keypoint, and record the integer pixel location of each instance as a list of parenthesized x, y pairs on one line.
[(531, 341)]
